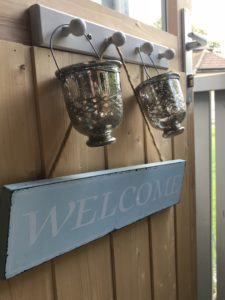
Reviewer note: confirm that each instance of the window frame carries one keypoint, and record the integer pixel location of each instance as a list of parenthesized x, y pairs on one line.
[(116, 5)]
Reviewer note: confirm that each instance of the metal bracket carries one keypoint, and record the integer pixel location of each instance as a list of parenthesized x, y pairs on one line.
[(198, 41), (190, 42), (44, 20), (187, 55)]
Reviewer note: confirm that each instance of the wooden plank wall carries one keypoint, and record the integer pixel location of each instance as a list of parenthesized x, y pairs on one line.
[(153, 259), (185, 211), (183, 147), (14, 19)]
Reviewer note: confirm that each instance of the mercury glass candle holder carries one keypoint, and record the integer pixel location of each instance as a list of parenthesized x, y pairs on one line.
[(92, 94), (162, 101)]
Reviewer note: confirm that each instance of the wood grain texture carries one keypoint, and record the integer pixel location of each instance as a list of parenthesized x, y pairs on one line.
[(88, 272), (5, 291), (54, 119), (186, 213), (174, 25), (84, 273), (14, 20), (162, 230), (132, 261), (128, 150), (33, 284), (163, 255), (174, 15), (20, 156), (20, 153), (130, 245)]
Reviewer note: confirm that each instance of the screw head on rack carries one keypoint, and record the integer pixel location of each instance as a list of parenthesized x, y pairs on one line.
[(89, 36)]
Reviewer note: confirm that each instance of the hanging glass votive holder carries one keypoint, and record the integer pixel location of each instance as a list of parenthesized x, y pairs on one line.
[(162, 101), (93, 98)]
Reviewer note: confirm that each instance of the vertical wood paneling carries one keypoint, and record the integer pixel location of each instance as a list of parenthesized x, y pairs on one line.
[(20, 153), (186, 212), (5, 291), (162, 231), (129, 147), (163, 255), (20, 156), (174, 8), (33, 284), (54, 120), (131, 244), (86, 272), (132, 262), (137, 261)]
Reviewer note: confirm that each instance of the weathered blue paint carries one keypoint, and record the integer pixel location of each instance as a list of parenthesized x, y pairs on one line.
[(47, 218)]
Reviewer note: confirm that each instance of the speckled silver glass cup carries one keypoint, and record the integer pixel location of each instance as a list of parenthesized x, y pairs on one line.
[(92, 94), (163, 103)]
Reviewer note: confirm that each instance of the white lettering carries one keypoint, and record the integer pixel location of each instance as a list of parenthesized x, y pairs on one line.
[(172, 185), (85, 211), (157, 193), (52, 216), (122, 206), (140, 199), (105, 205), (168, 190), (176, 184)]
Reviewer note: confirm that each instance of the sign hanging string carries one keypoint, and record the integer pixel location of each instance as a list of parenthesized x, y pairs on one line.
[(139, 104), (70, 126), (60, 150)]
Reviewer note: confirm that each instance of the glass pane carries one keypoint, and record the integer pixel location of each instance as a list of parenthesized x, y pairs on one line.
[(146, 11)]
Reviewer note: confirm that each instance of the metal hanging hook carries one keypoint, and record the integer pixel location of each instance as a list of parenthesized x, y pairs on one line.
[(142, 61), (76, 27), (51, 42)]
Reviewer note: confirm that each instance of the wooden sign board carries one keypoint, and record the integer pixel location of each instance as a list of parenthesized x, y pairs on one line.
[(42, 219)]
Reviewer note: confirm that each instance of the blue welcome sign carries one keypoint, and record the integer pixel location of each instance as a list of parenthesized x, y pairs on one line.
[(42, 219)]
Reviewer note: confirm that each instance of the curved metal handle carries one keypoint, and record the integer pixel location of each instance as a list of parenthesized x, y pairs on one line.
[(76, 27), (146, 48), (118, 38)]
